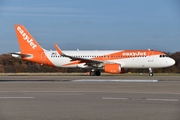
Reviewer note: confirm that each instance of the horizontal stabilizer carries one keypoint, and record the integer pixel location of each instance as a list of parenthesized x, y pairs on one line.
[(18, 54)]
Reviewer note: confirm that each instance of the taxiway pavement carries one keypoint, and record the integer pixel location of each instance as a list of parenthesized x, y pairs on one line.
[(63, 97)]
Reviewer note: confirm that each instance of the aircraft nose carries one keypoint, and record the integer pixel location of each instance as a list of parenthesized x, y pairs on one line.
[(171, 62)]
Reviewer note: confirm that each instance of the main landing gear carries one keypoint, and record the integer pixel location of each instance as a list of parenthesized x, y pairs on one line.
[(95, 72), (150, 72)]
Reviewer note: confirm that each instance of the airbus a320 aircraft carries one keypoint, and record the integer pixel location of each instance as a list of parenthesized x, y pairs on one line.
[(111, 61)]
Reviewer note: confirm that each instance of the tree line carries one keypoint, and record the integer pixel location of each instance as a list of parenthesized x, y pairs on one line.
[(9, 64)]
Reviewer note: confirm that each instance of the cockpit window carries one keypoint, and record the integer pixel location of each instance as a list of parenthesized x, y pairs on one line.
[(162, 56)]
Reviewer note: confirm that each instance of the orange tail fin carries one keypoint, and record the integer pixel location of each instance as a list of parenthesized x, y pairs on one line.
[(27, 43)]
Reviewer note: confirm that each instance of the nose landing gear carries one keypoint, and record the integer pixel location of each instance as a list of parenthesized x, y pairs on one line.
[(150, 72)]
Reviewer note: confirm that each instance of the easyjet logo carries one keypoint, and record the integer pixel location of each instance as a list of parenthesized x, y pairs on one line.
[(25, 37), (134, 53)]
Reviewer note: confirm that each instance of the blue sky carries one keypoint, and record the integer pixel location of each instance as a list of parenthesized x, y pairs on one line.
[(93, 24)]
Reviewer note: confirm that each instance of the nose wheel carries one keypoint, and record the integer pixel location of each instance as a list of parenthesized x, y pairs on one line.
[(150, 72)]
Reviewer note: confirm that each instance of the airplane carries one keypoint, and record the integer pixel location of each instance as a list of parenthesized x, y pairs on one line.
[(110, 61)]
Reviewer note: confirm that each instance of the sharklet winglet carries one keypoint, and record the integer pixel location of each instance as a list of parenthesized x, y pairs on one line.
[(58, 50)]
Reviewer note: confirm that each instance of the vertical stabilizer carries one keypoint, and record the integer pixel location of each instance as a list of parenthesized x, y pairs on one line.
[(27, 43)]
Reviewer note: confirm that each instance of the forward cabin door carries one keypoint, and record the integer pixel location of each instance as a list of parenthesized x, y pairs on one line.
[(150, 57)]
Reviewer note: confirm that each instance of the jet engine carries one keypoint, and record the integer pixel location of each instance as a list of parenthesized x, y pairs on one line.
[(113, 68)]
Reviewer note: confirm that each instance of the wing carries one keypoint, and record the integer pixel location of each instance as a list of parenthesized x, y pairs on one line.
[(81, 60)]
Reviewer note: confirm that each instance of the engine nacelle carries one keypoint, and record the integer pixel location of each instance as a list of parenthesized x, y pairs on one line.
[(113, 68)]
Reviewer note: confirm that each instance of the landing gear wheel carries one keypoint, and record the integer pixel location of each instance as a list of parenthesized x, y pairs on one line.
[(98, 73), (150, 74), (92, 73), (95, 73)]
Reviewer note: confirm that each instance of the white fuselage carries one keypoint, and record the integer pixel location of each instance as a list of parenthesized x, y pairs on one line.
[(154, 61)]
